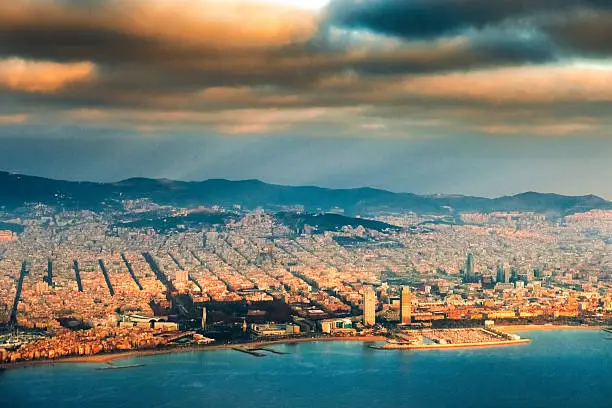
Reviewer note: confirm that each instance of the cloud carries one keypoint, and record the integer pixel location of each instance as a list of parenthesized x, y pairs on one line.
[(437, 18), (124, 30), (13, 119), (558, 129), (228, 122), (251, 66), (519, 85), (42, 76), (587, 33)]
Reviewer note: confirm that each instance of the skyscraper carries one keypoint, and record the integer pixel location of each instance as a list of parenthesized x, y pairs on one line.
[(369, 306), (406, 306), (469, 268), (501, 274)]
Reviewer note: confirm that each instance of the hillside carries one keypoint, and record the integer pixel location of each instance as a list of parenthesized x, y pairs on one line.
[(15, 190)]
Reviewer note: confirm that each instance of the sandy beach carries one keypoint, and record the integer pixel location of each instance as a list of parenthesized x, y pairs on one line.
[(108, 358)]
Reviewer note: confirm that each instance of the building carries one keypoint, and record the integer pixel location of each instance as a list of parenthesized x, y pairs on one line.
[(470, 275), (501, 274), (7, 236), (203, 318), (271, 329), (337, 326), (182, 276), (406, 306), (369, 306), (168, 326)]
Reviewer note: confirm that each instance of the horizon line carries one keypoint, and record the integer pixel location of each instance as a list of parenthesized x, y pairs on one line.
[(434, 195)]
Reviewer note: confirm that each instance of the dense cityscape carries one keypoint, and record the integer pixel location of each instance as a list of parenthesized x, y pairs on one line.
[(78, 283)]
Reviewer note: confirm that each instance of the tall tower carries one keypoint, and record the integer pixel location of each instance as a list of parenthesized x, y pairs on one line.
[(501, 274), (203, 318), (369, 306), (406, 306), (469, 268)]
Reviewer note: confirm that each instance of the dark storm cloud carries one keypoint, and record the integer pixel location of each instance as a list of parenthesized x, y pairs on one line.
[(435, 18), (586, 33)]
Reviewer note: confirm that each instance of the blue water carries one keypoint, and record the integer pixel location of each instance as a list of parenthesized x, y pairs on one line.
[(557, 369)]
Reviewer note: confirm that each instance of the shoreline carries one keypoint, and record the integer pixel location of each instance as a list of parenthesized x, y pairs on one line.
[(513, 328), (108, 358)]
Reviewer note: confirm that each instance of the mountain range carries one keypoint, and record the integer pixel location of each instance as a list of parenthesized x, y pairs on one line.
[(17, 190)]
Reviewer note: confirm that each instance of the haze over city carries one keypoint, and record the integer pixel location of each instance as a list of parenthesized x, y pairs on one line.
[(474, 97)]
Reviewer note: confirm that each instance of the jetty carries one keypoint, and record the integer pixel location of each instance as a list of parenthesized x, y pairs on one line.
[(269, 350), (249, 351)]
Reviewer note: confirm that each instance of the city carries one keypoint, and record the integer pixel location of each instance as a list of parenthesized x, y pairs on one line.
[(305, 203), (78, 283)]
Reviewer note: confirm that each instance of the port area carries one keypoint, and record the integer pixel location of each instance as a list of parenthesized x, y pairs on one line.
[(450, 338)]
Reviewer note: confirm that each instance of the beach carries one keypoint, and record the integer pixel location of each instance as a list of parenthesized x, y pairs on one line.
[(108, 358)]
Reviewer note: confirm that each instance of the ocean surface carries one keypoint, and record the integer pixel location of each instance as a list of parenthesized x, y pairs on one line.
[(557, 369)]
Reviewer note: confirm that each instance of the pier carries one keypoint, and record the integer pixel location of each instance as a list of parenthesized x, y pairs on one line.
[(22, 274), (77, 275), (106, 278), (114, 367), (249, 351), (269, 350), (131, 270)]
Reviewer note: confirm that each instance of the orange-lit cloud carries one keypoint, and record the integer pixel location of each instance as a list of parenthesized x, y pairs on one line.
[(13, 119), (39, 76), (541, 84), (227, 23), (557, 129)]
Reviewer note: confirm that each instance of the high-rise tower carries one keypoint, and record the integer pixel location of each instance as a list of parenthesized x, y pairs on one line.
[(501, 274), (406, 306), (470, 276), (369, 306)]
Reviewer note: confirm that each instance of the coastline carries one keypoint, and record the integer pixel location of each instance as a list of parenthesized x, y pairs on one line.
[(544, 327), (108, 358)]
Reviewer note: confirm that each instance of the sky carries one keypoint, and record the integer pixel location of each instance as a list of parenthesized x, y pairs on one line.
[(474, 97)]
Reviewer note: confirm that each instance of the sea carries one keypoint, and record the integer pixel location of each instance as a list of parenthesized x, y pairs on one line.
[(557, 369)]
